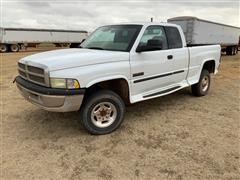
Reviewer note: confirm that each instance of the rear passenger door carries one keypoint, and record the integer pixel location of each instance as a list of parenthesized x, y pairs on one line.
[(180, 54)]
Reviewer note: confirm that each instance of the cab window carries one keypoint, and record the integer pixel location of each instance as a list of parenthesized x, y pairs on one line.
[(174, 38), (154, 35)]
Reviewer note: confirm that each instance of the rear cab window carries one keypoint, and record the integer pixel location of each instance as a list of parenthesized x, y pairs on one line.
[(173, 37)]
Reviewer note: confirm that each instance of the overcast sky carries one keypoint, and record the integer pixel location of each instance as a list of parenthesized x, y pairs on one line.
[(87, 15)]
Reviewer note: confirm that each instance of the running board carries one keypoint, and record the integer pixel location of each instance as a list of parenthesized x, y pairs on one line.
[(162, 92)]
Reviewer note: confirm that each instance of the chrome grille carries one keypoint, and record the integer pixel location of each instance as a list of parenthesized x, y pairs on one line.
[(35, 70), (22, 73), (36, 78), (32, 73), (22, 66)]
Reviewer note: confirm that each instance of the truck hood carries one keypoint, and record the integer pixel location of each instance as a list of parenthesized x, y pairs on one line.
[(69, 58)]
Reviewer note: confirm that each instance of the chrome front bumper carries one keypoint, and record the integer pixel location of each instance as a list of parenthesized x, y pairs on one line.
[(56, 103)]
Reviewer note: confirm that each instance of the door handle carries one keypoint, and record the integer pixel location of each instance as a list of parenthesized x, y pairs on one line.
[(170, 57)]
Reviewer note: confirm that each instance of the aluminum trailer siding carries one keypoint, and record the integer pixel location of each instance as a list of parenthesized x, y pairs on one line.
[(201, 32), (13, 38)]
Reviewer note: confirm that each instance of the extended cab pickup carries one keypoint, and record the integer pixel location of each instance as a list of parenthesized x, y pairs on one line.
[(114, 66)]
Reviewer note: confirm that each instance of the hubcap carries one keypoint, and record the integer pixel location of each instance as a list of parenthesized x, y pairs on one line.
[(103, 114), (205, 83)]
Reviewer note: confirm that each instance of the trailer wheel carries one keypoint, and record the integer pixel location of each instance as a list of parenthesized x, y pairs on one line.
[(235, 50), (3, 48), (66, 44), (229, 50), (14, 47)]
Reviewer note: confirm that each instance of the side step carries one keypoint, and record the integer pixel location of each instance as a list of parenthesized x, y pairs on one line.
[(162, 92)]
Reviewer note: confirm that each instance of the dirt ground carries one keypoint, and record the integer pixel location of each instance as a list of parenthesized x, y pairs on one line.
[(173, 137)]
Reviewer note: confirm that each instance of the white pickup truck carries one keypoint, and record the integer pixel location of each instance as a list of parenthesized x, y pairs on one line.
[(114, 66)]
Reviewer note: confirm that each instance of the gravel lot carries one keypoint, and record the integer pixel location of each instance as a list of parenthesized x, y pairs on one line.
[(173, 137)]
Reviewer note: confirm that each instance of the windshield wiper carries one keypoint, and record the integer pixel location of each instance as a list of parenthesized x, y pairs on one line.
[(95, 48)]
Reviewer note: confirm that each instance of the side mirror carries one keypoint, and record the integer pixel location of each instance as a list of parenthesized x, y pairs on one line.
[(152, 45)]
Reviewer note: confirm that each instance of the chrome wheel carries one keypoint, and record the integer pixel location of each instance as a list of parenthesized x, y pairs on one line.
[(205, 83), (103, 114)]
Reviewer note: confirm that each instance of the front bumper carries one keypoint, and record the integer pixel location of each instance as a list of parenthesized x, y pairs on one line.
[(50, 99)]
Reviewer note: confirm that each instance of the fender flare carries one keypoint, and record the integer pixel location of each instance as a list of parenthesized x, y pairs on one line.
[(102, 79), (201, 67), (206, 60)]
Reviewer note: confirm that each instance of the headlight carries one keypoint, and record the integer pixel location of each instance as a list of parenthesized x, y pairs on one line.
[(64, 83), (72, 84), (58, 83)]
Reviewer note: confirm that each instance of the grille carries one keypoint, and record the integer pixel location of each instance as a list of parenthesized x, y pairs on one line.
[(22, 66), (36, 78), (32, 73), (35, 70), (22, 73)]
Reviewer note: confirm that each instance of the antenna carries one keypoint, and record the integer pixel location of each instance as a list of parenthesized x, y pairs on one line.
[(151, 19)]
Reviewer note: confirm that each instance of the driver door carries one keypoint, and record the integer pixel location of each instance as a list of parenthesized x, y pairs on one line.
[(150, 69)]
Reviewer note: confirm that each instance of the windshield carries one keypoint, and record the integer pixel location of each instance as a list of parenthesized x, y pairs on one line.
[(114, 38)]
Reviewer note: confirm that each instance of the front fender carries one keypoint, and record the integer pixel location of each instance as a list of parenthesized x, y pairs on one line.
[(90, 75)]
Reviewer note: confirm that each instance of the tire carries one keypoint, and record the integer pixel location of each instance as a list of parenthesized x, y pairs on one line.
[(3, 48), (233, 51), (66, 44), (102, 112), (229, 50), (14, 47), (203, 86)]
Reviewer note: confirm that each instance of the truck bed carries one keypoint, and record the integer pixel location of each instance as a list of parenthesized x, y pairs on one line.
[(196, 56)]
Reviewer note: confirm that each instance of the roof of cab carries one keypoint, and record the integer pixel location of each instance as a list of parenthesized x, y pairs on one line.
[(145, 24)]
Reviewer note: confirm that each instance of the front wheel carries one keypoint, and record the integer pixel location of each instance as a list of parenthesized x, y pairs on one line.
[(202, 87), (102, 112)]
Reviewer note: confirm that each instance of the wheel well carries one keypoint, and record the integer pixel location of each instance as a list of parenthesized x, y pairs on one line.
[(119, 86), (210, 66)]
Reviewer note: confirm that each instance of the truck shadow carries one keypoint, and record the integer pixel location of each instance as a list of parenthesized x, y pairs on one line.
[(43, 124)]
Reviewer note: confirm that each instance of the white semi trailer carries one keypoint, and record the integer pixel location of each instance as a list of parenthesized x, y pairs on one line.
[(13, 39), (200, 32)]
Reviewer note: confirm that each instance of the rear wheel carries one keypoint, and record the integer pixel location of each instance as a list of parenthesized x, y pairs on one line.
[(235, 50), (102, 112), (3, 48), (14, 47), (202, 87)]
